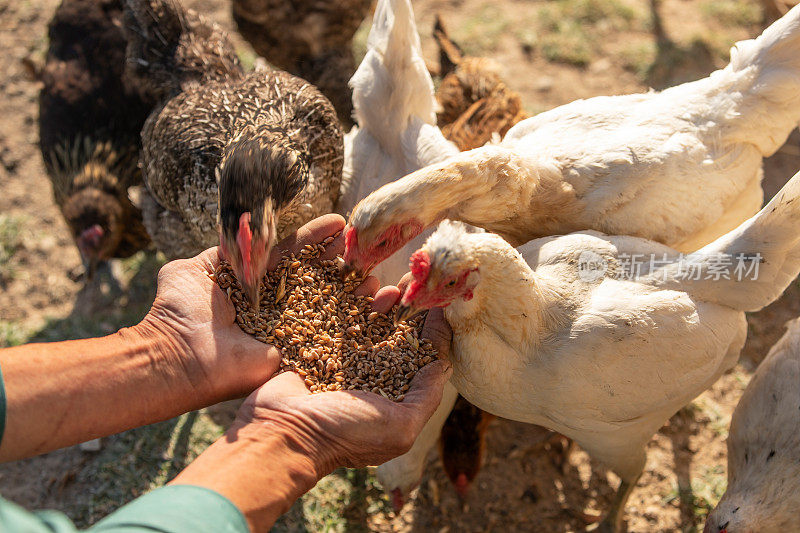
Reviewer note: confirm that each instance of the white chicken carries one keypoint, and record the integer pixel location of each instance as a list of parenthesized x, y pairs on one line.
[(569, 333), (396, 134), (395, 110), (681, 166), (764, 447)]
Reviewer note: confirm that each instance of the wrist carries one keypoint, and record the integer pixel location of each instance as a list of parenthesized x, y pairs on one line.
[(310, 452), (171, 357), (261, 467)]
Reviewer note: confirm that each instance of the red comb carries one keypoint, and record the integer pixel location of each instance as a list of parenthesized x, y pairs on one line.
[(244, 238), (420, 265)]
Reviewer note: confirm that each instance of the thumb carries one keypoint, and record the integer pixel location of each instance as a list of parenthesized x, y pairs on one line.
[(209, 259), (279, 388), (437, 330), (426, 389)]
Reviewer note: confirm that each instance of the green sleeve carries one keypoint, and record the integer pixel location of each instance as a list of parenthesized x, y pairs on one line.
[(14, 519), (176, 509), (2, 407), (173, 509)]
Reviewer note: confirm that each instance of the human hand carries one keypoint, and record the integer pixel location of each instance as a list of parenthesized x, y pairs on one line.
[(352, 428), (284, 439), (195, 321)]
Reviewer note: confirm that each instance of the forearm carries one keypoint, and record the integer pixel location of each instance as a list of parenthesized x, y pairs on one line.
[(261, 468), (63, 393)]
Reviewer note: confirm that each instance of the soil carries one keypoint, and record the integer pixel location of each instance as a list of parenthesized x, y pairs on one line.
[(522, 486)]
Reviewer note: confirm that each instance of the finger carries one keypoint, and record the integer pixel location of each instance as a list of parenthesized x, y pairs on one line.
[(368, 287), (438, 331), (404, 281), (426, 389), (209, 259), (283, 385), (336, 247), (314, 232), (385, 299)]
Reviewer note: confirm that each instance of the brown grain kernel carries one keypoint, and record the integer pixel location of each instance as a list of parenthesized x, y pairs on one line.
[(326, 334)]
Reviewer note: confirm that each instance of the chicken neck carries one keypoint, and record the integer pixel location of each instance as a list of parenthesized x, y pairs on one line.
[(510, 298), (489, 187)]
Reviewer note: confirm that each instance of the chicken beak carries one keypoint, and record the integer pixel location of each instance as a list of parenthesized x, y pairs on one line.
[(404, 312), (348, 270), (353, 267), (251, 291), (352, 272), (90, 266)]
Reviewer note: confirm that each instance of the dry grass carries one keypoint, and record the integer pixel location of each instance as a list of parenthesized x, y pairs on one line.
[(573, 32), (10, 244), (732, 12)]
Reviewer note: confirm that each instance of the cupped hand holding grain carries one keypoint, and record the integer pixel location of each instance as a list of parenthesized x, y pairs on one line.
[(285, 438), (219, 359), (354, 428)]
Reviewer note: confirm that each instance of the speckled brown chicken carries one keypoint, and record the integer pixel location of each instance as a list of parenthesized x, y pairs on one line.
[(90, 115), (312, 39), (476, 104), (240, 159)]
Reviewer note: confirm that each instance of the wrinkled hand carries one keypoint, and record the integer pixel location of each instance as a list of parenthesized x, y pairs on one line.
[(354, 428), (196, 321)]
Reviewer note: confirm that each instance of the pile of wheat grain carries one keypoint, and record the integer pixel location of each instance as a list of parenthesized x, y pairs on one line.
[(326, 333)]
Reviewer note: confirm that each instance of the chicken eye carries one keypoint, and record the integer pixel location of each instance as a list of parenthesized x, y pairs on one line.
[(383, 243), (451, 283)]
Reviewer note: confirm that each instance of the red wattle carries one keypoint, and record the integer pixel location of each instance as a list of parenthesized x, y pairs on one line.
[(244, 239), (411, 291), (90, 237)]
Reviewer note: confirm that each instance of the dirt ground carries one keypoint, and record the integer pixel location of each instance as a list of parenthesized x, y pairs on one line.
[(552, 52)]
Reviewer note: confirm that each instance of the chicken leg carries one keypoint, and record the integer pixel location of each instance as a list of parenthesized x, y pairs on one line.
[(612, 523)]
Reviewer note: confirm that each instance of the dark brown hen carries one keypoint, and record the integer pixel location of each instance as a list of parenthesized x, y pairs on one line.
[(90, 116), (312, 39), (240, 159), (462, 444)]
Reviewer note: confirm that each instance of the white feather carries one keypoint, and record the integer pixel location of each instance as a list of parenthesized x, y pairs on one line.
[(681, 166)]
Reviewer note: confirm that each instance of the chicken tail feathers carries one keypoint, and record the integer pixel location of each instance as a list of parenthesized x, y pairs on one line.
[(766, 71), (749, 267), (394, 107), (153, 29), (392, 84)]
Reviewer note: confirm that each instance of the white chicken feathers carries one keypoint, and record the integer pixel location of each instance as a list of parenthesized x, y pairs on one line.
[(772, 238), (395, 110), (764, 447), (604, 360), (681, 166)]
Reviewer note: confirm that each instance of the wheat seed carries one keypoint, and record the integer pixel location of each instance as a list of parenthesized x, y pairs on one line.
[(327, 334)]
